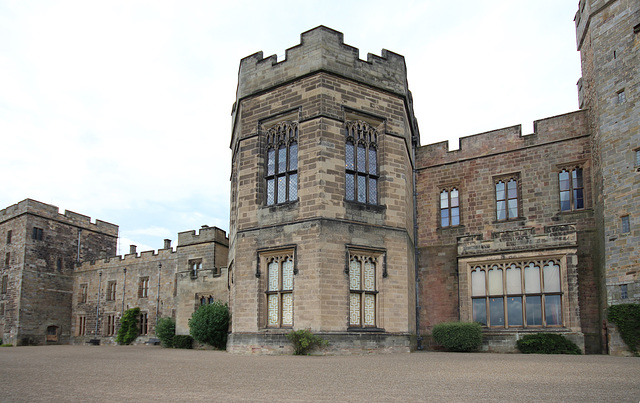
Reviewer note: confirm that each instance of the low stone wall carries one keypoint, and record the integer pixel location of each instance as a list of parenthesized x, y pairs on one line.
[(339, 343)]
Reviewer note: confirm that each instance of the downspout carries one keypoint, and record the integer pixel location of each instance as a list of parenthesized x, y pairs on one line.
[(415, 246)]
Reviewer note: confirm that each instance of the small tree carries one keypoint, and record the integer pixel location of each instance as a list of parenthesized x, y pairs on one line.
[(166, 330), (210, 324), (128, 331), (303, 341), (458, 336)]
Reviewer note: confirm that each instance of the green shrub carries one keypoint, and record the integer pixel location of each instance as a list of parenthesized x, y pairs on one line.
[(210, 324), (303, 341), (166, 330), (458, 336), (182, 341), (6, 345), (128, 331), (627, 319), (547, 343)]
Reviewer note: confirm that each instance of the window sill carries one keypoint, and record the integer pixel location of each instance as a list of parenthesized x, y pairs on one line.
[(280, 206), (365, 329), (373, 208), (531, 329), (521, 220)]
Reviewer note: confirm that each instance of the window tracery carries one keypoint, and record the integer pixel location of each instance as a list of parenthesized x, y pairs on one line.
[(361, 162), (282, 163)]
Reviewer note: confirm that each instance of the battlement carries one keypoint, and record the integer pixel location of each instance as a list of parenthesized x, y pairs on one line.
[(322, 49), (149, 256), (549, 130), (30, 206), (206, 234)]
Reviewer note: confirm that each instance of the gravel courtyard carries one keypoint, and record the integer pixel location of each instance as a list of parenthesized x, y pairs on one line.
[(144, 373)]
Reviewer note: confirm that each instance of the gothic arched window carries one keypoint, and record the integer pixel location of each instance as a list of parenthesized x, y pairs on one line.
[(361, 163), (282, 163)]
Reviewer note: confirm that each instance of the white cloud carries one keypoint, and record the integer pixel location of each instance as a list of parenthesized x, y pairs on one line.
[(121, 110)]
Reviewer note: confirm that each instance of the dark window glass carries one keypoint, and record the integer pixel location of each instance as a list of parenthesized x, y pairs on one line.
[(282, 163), (361, 163)]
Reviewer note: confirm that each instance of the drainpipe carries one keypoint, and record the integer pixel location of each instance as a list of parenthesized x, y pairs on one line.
[(98, 303), (415, 246), (158, 298)]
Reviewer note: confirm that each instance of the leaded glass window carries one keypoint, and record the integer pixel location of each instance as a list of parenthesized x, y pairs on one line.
[(571, 189), (517, 294), (362, 290), (282, 163), (507, 199), (361, 163), (280, 270), (449, 208)]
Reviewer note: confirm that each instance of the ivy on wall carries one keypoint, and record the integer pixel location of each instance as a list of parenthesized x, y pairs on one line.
[(627, 319)]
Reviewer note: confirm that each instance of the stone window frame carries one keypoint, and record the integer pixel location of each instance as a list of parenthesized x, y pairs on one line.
[(636, 160), (277, 290), (84, 288), (110, 324), (205, 298), (506, 179), (52, 333), (621, 96), (625, 224), (281, 142), (9, 234), (143, 323), (2, 308), (449, 208), (81, 325), (466, 266), (112, 286), (573, 187), (361, 170), (143, 287), (5, 284), (359, 255), (7, 260), (37, 234), (195, 265)]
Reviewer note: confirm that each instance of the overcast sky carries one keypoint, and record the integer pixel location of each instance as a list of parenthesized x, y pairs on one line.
[(120, 110)]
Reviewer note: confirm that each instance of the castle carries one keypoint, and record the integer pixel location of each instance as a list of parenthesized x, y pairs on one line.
[(343, 223)]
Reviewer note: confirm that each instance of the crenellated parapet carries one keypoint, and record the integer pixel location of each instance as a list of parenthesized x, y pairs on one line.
[(322, 49), (206, 234), (546, 131), (29, 206), (113, 262)]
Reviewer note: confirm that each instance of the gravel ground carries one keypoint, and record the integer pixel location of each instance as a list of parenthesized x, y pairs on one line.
[(145, 373)]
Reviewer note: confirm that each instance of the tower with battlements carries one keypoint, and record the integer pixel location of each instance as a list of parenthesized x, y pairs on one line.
[(322, 210)]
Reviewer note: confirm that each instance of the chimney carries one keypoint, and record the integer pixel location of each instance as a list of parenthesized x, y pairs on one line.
[(132, 249), (167, 243)]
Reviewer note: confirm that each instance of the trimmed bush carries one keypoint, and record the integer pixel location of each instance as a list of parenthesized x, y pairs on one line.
[(303, 341), (210, 324), (166, 330), (183, 341), (128, 331), (547, 343), (458, 336), (626, 317)]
